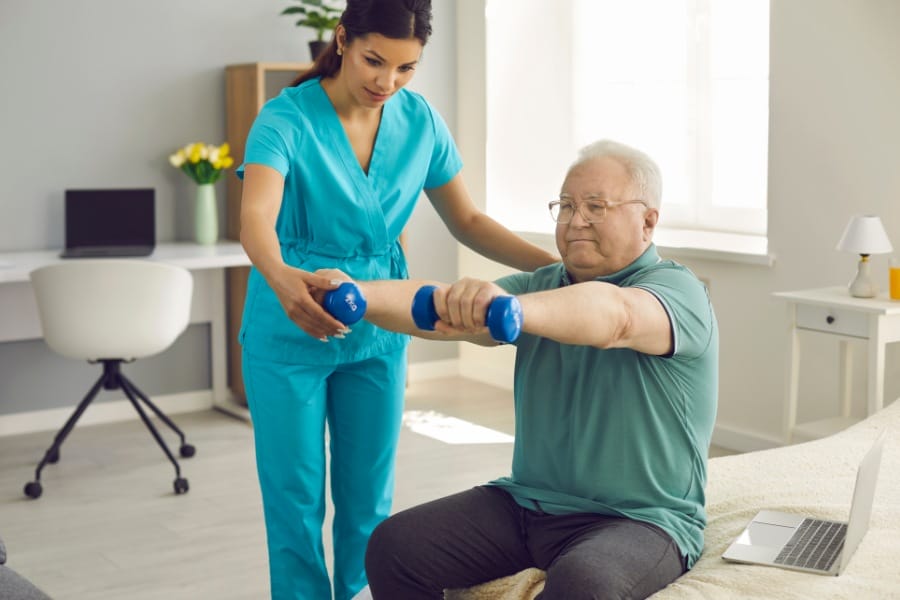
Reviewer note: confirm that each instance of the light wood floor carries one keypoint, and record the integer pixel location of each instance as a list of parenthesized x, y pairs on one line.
[(109, 527)]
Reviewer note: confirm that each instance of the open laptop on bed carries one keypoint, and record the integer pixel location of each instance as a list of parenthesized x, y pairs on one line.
[(796, 542), (110, 222)]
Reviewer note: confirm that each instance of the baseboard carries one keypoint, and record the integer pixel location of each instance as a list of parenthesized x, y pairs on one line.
[(114, 411), (101, 412), (433, 369), (732, 438), (743, 440)]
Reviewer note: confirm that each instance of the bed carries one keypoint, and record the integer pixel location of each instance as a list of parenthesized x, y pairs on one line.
[(815, 478)]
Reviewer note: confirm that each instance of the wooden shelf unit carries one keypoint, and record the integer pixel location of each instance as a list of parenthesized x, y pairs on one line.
[(247, 88)]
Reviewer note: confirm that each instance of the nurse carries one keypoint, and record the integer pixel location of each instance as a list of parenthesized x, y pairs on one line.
[(332, 170)]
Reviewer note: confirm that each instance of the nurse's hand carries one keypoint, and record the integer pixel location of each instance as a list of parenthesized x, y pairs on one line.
[(334, 275), (297, 291)]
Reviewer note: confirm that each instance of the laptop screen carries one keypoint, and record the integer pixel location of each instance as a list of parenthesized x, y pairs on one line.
[(111, 217)]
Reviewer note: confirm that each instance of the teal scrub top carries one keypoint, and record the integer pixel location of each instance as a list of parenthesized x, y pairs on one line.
[(615, 431), (334, 215)]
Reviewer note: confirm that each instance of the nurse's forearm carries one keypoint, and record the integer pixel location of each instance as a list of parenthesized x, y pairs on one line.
[(484, 235), (260, 241), (489, 238)]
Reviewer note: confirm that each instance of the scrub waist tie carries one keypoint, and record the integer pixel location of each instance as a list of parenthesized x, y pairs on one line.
[(388, 263), (302, 247)]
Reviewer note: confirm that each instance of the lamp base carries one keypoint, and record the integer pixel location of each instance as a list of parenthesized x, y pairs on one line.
[(863, 286)]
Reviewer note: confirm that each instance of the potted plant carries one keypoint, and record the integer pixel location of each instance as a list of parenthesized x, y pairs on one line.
[(319, 15)]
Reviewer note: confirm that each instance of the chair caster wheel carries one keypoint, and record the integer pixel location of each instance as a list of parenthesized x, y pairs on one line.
[(53, 457), (33, 489), (187, 451), (181, 485)]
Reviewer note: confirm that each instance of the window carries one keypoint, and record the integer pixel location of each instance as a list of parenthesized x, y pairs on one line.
[(684, 80)]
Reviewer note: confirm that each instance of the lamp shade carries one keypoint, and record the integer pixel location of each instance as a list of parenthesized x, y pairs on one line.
[(865, 234)]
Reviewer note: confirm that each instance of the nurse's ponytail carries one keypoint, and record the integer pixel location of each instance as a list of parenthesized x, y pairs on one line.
[(397, 19), (327, 64)]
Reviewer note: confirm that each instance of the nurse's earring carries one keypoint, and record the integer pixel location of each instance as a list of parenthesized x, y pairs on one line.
[(340, 51)]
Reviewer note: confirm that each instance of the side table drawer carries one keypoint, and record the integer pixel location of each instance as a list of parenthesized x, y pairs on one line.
[(832, 320)]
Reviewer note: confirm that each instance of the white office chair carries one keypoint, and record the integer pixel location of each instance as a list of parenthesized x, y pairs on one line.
[(111, 311)]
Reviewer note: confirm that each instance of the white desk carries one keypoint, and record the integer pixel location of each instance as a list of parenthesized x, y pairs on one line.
[(19, 318), (833, 311)]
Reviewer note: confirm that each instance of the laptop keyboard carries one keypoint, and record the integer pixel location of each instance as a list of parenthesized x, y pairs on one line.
[(815, 545), (107, 251)]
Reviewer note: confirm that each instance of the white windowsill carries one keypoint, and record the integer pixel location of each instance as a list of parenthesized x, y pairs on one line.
[(693, 244), (714, 245)]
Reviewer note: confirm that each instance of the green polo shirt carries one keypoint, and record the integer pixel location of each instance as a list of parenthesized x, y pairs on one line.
[(618, 432)]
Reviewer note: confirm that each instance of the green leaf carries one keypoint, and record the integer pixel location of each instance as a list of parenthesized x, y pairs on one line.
[(189, 171), (319, 16)]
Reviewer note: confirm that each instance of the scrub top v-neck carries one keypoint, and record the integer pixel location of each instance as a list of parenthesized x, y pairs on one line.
[(334, 214)]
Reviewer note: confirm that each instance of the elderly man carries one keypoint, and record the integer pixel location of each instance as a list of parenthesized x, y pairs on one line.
[(615, 400)]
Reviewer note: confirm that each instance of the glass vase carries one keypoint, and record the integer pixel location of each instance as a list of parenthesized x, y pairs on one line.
[(206, 219)]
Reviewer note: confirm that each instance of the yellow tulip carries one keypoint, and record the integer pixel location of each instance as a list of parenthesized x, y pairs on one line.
[(192, 154), (177, 159)]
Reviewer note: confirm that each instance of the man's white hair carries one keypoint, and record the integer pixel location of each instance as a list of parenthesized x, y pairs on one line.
[(643, 170)]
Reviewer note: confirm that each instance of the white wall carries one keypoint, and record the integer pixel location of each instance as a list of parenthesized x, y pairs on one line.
[(98, 93), (834, 152)]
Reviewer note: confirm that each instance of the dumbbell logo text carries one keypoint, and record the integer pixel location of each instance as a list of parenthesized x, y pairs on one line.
[(346, 303)]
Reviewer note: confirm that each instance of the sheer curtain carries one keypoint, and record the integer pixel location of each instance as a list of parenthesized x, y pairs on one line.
[(684, 80)]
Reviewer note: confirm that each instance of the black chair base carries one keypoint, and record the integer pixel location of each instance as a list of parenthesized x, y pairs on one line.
[(113, 379)]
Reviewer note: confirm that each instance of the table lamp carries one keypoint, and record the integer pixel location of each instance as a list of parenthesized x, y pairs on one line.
[(864, 235)]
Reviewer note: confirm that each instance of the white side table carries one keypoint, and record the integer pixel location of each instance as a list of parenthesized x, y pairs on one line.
[(833, 311)]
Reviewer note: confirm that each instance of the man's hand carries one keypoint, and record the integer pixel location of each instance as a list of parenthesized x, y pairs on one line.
[(462, 306)]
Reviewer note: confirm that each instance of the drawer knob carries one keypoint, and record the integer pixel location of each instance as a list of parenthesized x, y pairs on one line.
[(829, 319)]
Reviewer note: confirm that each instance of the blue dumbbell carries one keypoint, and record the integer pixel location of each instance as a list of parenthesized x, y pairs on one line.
[(345, 303), (504, 314)]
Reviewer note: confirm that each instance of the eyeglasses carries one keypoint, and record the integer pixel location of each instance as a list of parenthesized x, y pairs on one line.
[(592, 211)]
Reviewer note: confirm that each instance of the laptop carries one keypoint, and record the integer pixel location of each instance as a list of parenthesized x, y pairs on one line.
[(110, 222), (801, 543)]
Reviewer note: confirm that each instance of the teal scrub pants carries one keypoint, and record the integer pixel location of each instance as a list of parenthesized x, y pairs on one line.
[(362, 405)]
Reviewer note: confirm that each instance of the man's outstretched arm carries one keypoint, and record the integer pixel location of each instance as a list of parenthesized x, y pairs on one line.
[(601, 315), (592, 313), (390, 307), (587, 314)]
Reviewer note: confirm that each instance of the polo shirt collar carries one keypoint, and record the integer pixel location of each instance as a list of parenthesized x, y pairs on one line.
[(648, 258)]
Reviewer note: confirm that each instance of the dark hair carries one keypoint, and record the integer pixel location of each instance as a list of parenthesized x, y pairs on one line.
[(396, 19)]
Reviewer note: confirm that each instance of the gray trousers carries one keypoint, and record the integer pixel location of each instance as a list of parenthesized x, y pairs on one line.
[(483, 534)]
